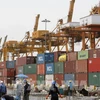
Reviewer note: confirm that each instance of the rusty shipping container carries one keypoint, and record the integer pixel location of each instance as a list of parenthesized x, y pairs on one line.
[(26, 60), (70, 67), (94, 65), (81, 79), (94, 53), (72, 56), (81, 66), (32, 77), (59, 78), (3, 64), (9, 72), (57, 54), (40, 68)]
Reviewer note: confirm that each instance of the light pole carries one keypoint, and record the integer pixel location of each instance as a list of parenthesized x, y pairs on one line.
[(45, 21)]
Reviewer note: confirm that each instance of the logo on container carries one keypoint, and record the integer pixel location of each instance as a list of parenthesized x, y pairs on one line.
[(40, 58), (49, 68)]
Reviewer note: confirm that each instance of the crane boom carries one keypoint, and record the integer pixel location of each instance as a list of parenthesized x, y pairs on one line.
[(36, 22), (71, 8)]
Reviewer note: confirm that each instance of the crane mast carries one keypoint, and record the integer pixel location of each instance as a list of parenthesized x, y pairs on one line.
[(71, 8)]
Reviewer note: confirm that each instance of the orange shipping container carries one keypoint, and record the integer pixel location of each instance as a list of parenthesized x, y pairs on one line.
[(81, 66), (3, 64), (59, 78), (41, 69)]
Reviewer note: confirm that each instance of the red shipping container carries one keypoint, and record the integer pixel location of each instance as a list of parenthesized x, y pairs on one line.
[(81, 66), (58, 54), (9, 72), (59, 78), (3, 64), (72, 56), (81, 79), (32, 78), (94, 65), (70, 67), (41, 69)]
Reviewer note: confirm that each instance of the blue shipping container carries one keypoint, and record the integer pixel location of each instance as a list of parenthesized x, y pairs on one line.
[(40, 59), (45, 58), (50, 68), (10, 64), (49, 57), (69, 77)]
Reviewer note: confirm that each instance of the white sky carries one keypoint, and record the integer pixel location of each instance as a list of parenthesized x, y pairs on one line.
[(18, 16)]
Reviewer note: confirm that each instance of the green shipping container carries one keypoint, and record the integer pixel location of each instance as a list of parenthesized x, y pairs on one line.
[(59, 67), (94, 79), (30, 69), (83, 55), (40, 79)]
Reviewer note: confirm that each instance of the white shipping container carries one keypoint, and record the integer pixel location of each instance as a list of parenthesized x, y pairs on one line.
[(70, 24), (90, 20), (49, 79)]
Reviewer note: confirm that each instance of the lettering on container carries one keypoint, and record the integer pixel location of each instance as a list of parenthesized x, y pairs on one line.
[(29, 67), (90, 61), (49, 68), (40, 58), (94, 75), (94, 55), (82, 56)]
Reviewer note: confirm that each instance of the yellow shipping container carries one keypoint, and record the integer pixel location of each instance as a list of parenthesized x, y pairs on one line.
[(39, 33)]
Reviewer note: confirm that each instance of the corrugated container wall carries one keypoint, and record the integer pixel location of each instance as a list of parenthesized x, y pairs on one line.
[(10, 64), (83, 55), (48, 79), (94, 65), (40, 79), (59, 78), (81, 66), (3, 64), (19, 70), (9, 72), (70, 67), (81, 79), (40, 68), (59, 67), (72, 56), (58, 54), (50, 68), (94, 79), (69, 77), (32, 77), (26, 60), (30, 69)]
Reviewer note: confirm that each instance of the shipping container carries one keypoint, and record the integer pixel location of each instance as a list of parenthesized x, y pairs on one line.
[(82, 55), (58, 67), (32, 78), (9, 72), (81, 79), (26, 60), (69, 77), (98, 53), (70, 67), (72, 56), (40, 59), (90, 20), (94, 65), (94, 79), (19, 70), (48, 79), (93, 53), (10, 64), (40, 68), (3, 64), (40, 79), (57, 54), (1, 72), (30, 69), (59, 78), (81, 66), (50, 68)]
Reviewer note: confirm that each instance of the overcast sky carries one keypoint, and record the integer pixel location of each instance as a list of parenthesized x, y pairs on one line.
[(18, 16)]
